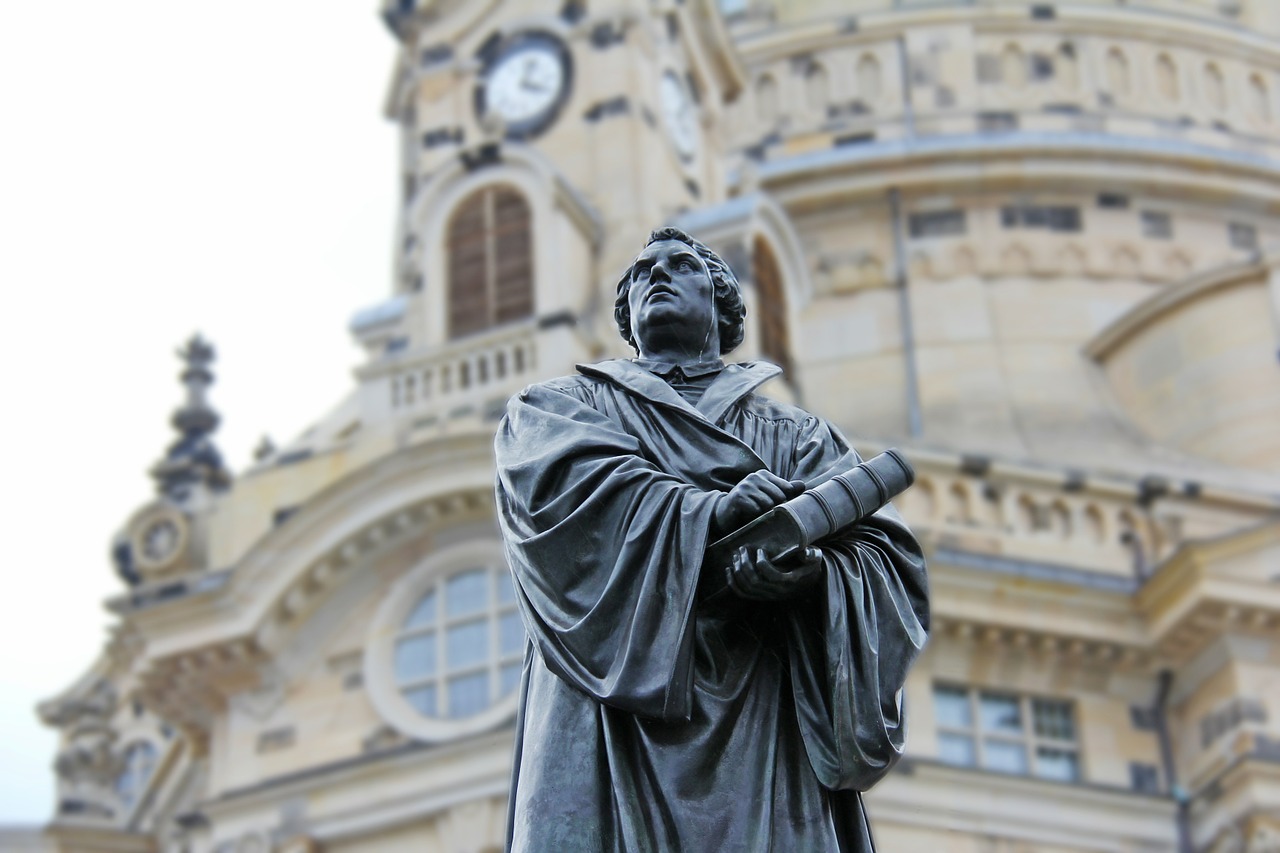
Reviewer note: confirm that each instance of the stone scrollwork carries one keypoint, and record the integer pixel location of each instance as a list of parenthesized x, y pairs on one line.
[(87, 769), (93, 708), (260, 702)]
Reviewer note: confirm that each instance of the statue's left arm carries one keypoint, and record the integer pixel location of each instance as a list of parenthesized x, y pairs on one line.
[(853, 640)]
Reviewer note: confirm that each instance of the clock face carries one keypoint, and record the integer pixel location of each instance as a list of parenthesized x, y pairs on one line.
[(680, 115), (526, 83), (160, 540)]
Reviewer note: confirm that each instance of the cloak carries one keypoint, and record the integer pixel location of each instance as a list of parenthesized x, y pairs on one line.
[(650, 721)]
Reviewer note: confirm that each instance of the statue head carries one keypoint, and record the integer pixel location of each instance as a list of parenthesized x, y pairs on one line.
[(730, 311)]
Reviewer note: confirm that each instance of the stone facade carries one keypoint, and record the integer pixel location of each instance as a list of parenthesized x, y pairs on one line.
[(1024, 242)]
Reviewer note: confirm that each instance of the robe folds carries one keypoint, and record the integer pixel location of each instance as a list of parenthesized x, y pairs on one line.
[(650, 721)]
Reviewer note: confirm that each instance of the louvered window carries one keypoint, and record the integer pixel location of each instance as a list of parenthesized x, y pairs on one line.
[(490, 261), (775, 344)]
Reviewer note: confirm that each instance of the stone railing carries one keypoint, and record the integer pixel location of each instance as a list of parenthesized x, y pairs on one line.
[(1098, 530), (496, 363)]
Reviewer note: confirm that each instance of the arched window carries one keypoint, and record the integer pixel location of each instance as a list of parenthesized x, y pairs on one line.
[(1260, 97), (1215, 88), (1014, 66), (815, 88), (960, 507), (766, 99), (1117, 72), (1067, 66), (868, 79), (1167, 78), (490, 261), (775, 344)]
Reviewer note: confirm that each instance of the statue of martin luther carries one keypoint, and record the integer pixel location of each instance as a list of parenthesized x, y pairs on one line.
[(653, 719)]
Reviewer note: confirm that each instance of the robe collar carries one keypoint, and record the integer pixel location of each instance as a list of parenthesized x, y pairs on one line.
[(734, 382), (690, 371)]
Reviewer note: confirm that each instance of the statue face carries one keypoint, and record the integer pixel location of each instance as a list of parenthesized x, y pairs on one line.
[(672, 301)]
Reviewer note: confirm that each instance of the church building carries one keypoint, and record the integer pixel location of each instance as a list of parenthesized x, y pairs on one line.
[(1027, 243)]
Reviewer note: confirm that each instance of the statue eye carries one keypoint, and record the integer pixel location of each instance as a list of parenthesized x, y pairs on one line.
[(685, 266)]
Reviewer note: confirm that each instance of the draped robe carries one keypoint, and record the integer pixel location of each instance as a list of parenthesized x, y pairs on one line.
[(651, 721)]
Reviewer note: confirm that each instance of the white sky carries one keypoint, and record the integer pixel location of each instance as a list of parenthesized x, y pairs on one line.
[(164, 168)]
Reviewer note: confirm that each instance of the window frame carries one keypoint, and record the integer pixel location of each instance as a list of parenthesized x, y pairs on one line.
[(1028, 738), (130, 802), (386, 690), (441, 627), (774, 321), (474, 255)]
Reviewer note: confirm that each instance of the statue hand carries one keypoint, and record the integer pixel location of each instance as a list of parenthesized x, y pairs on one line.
[(758, 578), (756, 494)]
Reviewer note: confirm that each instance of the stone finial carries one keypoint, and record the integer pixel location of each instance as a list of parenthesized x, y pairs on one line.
[(193, 459), (265, 450)]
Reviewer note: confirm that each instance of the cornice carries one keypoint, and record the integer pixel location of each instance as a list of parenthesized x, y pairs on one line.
[(1038, 811), (1124, 24), (367, 509), (935, 164), (204, 650), (100, 839), (1058, 613), (1186, 604), (390, 761)]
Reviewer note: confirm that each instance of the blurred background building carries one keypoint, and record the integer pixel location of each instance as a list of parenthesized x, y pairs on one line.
[(1025, 242)]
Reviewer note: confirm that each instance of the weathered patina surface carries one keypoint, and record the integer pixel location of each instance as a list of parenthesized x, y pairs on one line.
[(651, 720)]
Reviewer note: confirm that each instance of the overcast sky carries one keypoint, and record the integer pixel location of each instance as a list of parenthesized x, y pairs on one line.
[(165, 168)]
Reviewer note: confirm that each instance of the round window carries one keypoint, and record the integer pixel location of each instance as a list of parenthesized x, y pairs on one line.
[(448, 645), (462, 646)]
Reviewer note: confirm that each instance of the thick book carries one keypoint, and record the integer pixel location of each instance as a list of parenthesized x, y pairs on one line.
[(833, 505)]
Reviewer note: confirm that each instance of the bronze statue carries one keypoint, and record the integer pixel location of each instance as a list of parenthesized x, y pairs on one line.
[(655, 716)]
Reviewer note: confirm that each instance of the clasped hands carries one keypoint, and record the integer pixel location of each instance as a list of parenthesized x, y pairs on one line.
[(755, 576)]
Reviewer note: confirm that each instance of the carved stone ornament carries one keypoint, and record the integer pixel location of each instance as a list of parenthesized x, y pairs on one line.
[(91, 710), (87, 770), (88, 762)]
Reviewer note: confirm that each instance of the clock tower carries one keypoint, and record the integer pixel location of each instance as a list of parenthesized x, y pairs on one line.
[(541, 143)]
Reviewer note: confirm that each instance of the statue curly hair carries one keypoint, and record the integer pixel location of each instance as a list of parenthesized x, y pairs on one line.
[(731, 311)]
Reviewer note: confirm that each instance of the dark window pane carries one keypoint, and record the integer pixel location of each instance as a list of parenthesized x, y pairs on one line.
[(775, 343), (1053, 719), (1062, 765), (1144, 777), (936, 223), (1157, 225), (1243, 236)]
